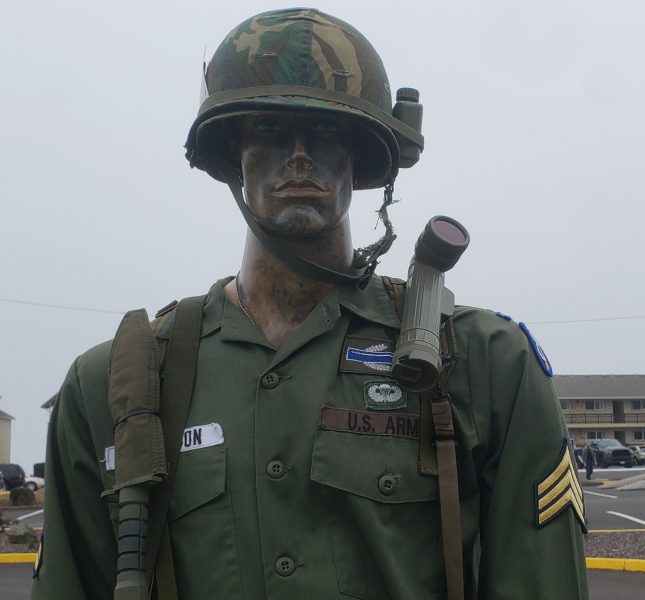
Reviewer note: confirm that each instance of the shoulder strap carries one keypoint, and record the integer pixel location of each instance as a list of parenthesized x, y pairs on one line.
[(437, 454), (176, 394), (395, 289), (444, 439)]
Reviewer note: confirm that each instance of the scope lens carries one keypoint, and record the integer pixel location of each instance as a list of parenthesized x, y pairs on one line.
[(449, 232)]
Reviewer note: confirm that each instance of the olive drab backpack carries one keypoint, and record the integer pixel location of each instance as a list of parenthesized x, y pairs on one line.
[(145, 566)]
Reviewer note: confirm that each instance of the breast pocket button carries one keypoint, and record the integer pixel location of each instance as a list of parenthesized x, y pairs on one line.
[(387, 484)]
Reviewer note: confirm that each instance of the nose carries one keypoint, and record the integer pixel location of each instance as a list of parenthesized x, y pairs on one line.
[(299, 160)]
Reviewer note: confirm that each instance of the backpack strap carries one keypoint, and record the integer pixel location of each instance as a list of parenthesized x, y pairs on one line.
[(395, 289), (444, 440), (437, 454), (149, 422), (176, 394), (140, 460), (164, 584)]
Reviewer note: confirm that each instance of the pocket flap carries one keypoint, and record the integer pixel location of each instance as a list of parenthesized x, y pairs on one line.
[(201, 477), (357, 464)]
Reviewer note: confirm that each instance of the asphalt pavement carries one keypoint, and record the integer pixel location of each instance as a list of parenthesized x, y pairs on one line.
[(614, 509), (613, 473), (614, 585), (16, 581), (32, 516)]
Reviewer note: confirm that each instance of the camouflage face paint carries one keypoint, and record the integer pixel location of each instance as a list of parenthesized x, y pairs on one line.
[(297, 171)]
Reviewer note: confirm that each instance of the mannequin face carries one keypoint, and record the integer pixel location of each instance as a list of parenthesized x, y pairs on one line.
[(297, 171)]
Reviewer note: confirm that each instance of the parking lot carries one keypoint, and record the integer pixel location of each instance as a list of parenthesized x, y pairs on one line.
[(612, 509), (606, 509)]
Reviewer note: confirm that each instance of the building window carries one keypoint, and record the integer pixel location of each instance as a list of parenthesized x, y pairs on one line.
[(565, 404), (594, 435), (639, 435), (594, 405), (638, 404)]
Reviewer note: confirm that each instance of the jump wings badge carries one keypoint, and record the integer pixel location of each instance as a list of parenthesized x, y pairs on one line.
[(558, 490), (383, 395)]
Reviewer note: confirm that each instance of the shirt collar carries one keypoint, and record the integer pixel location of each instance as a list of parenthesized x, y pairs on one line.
[(372, 304), (212, 315)]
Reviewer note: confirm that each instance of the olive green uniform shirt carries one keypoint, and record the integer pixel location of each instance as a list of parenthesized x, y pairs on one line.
[(278, 504)]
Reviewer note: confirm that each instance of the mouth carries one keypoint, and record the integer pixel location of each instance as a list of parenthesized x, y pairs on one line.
[(300, 188)]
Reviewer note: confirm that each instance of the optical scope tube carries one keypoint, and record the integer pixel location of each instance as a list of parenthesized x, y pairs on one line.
[(417, 357)]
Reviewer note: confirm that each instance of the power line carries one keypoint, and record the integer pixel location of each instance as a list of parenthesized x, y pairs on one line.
[(119, 312), (63, 307), (586, 320)]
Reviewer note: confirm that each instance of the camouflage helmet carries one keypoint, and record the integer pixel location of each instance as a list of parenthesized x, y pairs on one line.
[(301, 59)]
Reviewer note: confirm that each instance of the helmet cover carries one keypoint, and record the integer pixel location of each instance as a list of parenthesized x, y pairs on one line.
[(301, 60)]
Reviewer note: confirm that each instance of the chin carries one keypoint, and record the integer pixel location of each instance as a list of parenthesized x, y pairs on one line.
[(300, 223)]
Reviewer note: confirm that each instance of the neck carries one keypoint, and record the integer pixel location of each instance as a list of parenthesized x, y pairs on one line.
[(277, 297)]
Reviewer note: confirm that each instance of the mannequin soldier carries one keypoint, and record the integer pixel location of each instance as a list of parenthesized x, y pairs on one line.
[(298, 474)]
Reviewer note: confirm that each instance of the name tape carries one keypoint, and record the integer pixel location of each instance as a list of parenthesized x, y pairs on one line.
[(193, 438), (361, 422), (202, 436)]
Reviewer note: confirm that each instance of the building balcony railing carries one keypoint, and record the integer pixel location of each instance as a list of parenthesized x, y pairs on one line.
[(592, 418), (636, 418)]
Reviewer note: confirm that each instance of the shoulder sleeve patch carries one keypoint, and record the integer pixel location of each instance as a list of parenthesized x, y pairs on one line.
[(538, 351), (558, 490), (545, 363)]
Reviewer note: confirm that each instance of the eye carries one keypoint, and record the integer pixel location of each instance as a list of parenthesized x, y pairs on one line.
[(327, 127), (267, 126)]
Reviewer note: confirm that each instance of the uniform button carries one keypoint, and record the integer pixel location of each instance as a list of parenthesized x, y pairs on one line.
[(270, 380), (275, 469), (285, 566), (387, 484)]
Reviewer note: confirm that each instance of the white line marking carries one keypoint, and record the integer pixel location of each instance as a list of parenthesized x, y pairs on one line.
[(603, 495), (639, 521), (33, 514), (616, 470)]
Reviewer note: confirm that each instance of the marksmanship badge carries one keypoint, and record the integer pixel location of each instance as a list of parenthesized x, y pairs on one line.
[(558, 490)]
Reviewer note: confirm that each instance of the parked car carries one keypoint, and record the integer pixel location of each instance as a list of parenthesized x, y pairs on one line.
[(14, 475), (639, 454), (34, 483), (610, 451)]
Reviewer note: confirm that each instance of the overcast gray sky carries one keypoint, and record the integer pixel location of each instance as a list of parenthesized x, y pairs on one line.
[(534, 140)]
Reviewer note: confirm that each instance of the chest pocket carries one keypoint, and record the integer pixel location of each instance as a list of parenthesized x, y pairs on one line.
[(200, 504), (384, 515), (201, 479)]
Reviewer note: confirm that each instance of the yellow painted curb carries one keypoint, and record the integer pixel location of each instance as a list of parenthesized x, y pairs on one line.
[(607, 564), (609, 530), (18, 557), (615, 564)]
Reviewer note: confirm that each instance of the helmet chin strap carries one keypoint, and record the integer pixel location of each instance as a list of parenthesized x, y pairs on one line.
[(365, 259)]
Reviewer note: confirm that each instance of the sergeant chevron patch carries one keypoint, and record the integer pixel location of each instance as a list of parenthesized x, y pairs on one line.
[(558, 490)]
